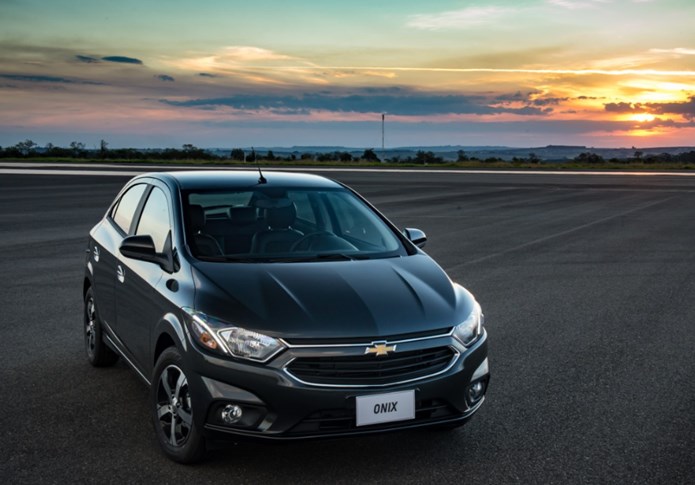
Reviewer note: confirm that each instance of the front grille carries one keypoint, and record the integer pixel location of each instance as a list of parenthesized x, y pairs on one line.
[(358, 340), (343, 420), (371, 370)]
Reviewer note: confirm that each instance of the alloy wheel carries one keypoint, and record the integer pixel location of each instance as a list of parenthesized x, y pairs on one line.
[(174, 406), (90, 327)]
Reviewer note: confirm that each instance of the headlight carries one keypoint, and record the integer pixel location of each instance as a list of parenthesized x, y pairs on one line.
[(225, 338), (468, 331), (248, 344)]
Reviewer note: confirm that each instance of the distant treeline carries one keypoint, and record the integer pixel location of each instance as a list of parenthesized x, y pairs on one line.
[(78, 150)]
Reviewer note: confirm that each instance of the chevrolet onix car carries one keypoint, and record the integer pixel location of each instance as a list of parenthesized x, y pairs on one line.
[(282, 307)]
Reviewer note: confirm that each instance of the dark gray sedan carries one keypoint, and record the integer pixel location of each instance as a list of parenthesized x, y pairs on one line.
[(281, 307)]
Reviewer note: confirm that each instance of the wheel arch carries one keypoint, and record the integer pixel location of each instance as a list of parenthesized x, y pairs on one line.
[(86, 284), (169, 332), (88, 275)]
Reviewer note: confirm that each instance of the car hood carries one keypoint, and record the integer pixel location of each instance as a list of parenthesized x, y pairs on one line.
[(343, 299)]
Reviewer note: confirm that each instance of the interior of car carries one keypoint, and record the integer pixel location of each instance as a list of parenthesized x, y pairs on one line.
[(283, 223)]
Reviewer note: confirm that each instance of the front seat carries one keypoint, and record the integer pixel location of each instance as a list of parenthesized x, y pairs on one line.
[(201, 243), (279, 235)]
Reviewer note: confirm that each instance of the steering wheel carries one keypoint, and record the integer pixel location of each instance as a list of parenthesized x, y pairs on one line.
[(326, 240)]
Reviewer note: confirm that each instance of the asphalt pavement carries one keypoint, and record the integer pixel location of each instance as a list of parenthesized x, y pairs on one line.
[(587, 283)]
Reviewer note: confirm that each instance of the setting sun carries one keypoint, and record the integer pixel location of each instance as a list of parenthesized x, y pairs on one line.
[(642, 117)]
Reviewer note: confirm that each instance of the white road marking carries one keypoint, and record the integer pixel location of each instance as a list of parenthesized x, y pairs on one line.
[(39, 171), (38, 168), (556, 235)]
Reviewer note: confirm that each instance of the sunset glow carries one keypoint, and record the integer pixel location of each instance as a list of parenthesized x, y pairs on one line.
[(642, 117), (229, 73)]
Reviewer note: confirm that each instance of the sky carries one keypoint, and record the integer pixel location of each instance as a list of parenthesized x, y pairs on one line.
[(227, 73)]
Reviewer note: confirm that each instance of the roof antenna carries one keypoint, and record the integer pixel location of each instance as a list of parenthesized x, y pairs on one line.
[(261, 178)]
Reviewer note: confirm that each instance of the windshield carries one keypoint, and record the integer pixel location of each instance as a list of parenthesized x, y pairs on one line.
[(284, 225)]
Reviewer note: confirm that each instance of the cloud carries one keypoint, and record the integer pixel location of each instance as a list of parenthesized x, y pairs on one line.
[(33, 78), (582, 4), (518, 96), (87, 59), (577, 4), (548, 101), (242, 53), (456, 19), (532, 98), (164, 77), (122, 60), (400, 103), (46, 79), (684, 108), (232, 58), (260, 65), (116, 59), (380, 90), (620, 107), (679, 51)]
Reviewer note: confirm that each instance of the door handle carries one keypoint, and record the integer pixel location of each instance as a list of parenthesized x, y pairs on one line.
[(120, 274)]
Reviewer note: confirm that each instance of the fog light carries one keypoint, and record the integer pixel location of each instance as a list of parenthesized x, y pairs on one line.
[(231, 414), (476, 392)]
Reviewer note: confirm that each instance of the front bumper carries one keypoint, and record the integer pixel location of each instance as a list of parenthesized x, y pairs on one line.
[(278, 405)]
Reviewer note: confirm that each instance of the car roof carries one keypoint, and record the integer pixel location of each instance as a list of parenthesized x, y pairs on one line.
[(238, 179)]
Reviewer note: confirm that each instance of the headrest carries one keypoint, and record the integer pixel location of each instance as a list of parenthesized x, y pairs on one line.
[(242, 215), (281, 217), (268, 203), (196, 215)]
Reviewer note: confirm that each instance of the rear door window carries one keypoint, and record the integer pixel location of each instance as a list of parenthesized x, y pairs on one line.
[(154, 220), (124, 211)]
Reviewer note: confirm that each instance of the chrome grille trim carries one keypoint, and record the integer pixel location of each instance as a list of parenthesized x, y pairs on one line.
[(366, 343), (454, 358)]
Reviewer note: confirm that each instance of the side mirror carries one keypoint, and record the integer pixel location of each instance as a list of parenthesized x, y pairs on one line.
[(416, 236), (142, 248)]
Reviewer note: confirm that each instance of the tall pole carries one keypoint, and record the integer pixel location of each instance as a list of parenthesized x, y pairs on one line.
[(383, 119)]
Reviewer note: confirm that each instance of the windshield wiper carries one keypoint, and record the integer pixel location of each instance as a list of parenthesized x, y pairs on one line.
[(334, 257), (231, 259), (289, 259), (325, 257)]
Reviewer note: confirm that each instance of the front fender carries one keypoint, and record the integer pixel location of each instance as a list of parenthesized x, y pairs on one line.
[(169, 330)]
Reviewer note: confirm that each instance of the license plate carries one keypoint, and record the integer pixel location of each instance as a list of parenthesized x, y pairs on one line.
[(384, 408)]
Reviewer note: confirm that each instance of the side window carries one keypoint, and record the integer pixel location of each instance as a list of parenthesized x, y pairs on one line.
[(154, 220), (125, 210)]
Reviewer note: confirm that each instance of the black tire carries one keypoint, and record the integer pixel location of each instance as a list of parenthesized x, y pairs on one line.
[(172, 410), (98, 353)]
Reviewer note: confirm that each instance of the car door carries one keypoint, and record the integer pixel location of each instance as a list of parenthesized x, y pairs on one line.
[(104, 243), (139, 303)]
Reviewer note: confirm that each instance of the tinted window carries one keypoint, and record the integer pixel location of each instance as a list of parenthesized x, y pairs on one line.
[(154, 220), (216, 204), (303, 205), (124, 211), (296, 224), (359, 224)]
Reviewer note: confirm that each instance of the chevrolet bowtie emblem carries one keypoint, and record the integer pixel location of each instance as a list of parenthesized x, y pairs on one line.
[(380, 348)]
